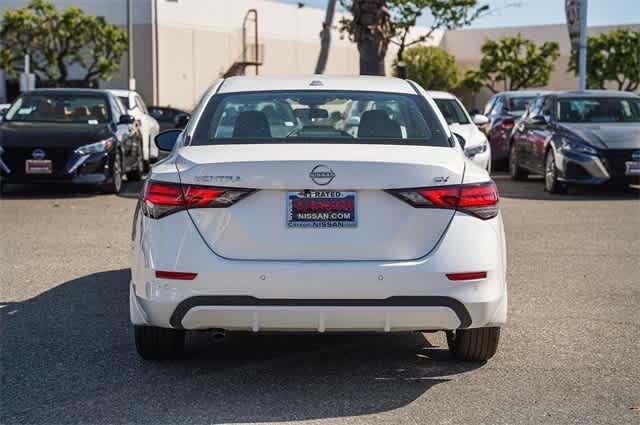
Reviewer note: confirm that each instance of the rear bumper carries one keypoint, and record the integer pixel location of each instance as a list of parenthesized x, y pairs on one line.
[(318, 296)]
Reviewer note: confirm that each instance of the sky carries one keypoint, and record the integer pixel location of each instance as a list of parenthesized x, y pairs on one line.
[(537, 12)]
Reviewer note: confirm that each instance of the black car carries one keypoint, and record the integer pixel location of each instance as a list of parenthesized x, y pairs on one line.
[(169, 118), (589, 137), (69, 135), (503, 110)]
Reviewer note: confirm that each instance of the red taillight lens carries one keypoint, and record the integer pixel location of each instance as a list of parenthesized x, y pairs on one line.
[(162, 199), (480, 200), (507, 124)]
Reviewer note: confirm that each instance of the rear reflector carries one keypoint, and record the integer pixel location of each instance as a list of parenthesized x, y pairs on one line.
[(161, 274), (480, 200), (467, 276), (162, 199)]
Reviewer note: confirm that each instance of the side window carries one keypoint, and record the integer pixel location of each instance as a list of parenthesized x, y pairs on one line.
[(536, 108), (141, 105), (116, 108), (489, 106), (497, 106), (547, 108)]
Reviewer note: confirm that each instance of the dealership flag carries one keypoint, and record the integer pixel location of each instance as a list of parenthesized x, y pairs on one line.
[(572, 9)]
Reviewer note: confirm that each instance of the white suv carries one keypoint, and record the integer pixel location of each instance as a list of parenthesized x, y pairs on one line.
[(149, 127), (268, 217)]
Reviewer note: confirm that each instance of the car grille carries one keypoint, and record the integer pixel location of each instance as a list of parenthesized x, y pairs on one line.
[(615, 160), (15, 159)]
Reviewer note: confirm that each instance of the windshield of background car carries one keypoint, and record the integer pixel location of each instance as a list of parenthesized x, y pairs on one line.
[(319, 117), (63, 108), (599, 109), (452, 111), (518, 105)]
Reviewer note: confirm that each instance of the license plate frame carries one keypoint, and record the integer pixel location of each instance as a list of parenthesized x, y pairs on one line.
[(632, 168), (321, 209), (38, 166)]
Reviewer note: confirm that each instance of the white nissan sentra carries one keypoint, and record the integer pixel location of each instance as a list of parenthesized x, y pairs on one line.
[(268, 215)]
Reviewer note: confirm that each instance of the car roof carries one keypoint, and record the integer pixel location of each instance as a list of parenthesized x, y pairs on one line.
[(597, 93), (69, 91), (441, 95), (316, 82), (120, 92), (526, 93)]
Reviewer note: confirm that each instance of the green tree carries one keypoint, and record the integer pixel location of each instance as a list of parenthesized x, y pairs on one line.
[(514, 62), (612, 56), (57, 41), (396, 18), (431, 67)]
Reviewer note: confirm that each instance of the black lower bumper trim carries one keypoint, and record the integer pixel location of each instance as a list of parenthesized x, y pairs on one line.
[(245, 300)]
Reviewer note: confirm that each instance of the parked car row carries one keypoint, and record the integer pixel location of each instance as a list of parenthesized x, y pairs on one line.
[(590, 137), (84, 136), (587, 138)]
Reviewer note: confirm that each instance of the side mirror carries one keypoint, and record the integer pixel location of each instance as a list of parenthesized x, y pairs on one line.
[(167, 139), (479, 119), (460, 140), (126, 119), (537, 120), (181, 120)]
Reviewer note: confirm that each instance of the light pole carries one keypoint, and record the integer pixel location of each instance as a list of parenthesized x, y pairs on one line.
[(583, 46), (132, 79)]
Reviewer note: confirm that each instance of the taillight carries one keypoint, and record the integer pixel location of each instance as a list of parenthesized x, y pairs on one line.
[(162, 199), (480, 200), (507, 124)]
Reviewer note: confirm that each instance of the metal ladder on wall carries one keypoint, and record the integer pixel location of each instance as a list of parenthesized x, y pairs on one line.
[(252, 54)]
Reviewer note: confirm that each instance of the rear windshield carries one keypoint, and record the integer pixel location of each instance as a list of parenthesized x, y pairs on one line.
[(319, 117), (452, 111), (55, 107), (594, 110), (517, 105)]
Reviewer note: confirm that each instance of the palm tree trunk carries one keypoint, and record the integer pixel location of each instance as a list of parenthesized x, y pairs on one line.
[(371, 29), (325, 37)]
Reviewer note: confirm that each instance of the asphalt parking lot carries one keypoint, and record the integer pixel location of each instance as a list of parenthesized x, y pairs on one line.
[(570, 352)]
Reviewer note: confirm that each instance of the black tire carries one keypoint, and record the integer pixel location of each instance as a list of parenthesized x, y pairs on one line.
[(138, 172), (474, 345), (515, 171), (115, 185), (551, 183), (153, 343)]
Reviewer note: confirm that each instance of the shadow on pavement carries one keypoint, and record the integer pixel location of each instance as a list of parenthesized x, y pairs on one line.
[(68, 357), (533, 189), (65, 190)]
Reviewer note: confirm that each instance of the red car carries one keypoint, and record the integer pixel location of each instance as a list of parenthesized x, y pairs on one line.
[(503, 110)]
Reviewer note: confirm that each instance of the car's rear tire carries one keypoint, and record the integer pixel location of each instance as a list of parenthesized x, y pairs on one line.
[(153, 343), (551, 183), (515, 171), (474, 345)]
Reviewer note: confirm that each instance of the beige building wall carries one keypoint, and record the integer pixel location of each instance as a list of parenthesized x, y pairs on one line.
[(465, 46), (198, 41)]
